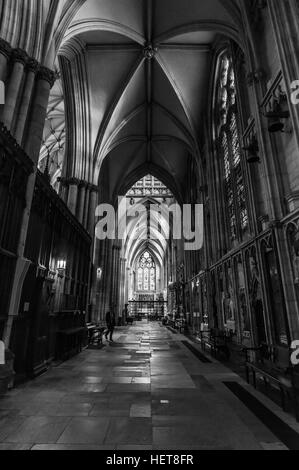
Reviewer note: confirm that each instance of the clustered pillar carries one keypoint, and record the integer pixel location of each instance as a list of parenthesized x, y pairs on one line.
[(28, 86), (81, 198)]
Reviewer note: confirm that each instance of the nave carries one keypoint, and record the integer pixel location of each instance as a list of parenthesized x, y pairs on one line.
[(149, 170), (146, 391)]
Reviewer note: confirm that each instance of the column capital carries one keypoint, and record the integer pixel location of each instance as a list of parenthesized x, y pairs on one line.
[(32, 65), (5, 48), (77, 182), (46, 74), (93, 188), (74, 182), (20, 56), (62, 181), (69, 181)]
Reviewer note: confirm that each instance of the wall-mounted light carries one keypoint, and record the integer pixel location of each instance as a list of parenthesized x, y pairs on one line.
[(252, 150), (279, 112), (61, 267), (99, 274)]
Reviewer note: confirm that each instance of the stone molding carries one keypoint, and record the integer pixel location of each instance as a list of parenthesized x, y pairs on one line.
[(66, 182), (5, 48), (47, 75), (32, 65), (18, 55)]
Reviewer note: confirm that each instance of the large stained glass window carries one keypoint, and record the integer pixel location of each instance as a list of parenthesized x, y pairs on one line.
[(229, 148), (146, 273), (149, 186)]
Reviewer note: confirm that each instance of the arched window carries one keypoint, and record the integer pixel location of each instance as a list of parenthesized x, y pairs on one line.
[(229, 148), (146, 273)]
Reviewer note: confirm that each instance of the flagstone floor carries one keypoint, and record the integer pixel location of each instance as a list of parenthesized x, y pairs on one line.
[(147, 391)]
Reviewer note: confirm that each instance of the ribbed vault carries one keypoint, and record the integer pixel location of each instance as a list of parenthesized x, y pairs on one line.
[(145, 67)]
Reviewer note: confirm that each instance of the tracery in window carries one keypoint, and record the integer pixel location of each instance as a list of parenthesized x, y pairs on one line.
[(149, 186), (146, 273), (228, 144)]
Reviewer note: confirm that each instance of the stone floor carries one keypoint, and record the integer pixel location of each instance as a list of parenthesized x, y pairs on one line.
[(147, 391)]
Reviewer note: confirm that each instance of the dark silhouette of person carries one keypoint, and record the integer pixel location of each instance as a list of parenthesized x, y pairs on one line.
[(110, 321)]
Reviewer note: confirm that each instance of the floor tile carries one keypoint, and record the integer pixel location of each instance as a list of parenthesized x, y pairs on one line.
[(38, 430), (85, 431), (137, 431), (145, 392)]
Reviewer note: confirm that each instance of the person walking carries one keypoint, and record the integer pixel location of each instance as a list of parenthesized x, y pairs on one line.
[(110, 321)]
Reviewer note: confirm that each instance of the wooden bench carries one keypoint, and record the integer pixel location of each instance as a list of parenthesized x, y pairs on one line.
[(272, 364), (97, 337), (91, 327), (70, 342)]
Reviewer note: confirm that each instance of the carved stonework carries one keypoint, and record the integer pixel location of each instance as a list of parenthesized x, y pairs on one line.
[(150, 51), (5, 48), (46, 74), (257, 76), (20, 56), (93, 188), (66, 182), (255, 13), (293, 201), (293, 239), (264, 222), (32, 65)]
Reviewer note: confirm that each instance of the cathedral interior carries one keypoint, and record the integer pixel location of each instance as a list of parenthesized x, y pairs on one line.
[(190, 107)]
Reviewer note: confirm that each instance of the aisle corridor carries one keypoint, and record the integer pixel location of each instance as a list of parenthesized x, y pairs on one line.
[(147, 391)]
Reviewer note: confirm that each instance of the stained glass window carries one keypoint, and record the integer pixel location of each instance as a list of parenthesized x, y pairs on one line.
[(146, 273), (149, 186), (228, 139)]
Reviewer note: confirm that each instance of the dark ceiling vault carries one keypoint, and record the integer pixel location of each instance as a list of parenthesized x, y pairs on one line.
[(146, 68)]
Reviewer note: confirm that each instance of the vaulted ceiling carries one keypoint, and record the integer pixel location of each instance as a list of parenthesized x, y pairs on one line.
[(146, 67)]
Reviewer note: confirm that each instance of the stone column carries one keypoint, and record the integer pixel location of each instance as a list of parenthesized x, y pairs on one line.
[(19, 58), (285, 21), (128, 284), (117, 282), (44, 80), (115, 277), (109, 275), (73, 196), (82, 193), (92, 208), (5, 53), (106, 276), (86, 207), (122, 286), (257, 82), (31, 69), (63, 192)]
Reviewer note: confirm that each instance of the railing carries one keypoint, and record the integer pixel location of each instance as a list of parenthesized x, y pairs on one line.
[(149, 309)]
